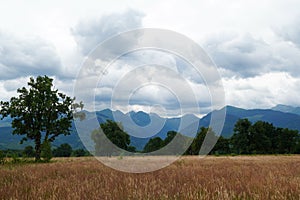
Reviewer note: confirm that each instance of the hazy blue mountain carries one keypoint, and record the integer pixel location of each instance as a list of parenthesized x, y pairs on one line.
[(287, 109), (140, 118), (277, 118), (143, 126), (9, 141)]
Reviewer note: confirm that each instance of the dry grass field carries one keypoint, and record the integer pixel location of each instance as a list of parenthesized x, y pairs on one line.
[(240, 177)]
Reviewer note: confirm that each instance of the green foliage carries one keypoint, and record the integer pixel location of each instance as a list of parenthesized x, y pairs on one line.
[(46, 153), (240, 138), (172, 146), (197, 142), (28, 151), (2, 157), (154, 144), (170, 136), (131, 149), (79, 153), (110, 132), (263, 138), (64, 150), (15, 158), (288, 140), (10, 152), (259, 142), (258, 138), (115, 134), (221, 147), (39, 111), (176, 143)]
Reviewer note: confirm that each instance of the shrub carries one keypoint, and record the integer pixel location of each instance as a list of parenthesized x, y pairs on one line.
[(64, 150), (46, 151), (15, 158), (79, 152), (2, 157), (28, 151)]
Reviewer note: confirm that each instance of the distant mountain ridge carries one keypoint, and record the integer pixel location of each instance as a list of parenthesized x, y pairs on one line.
[(280, 116), (277, 118), (287, 109)]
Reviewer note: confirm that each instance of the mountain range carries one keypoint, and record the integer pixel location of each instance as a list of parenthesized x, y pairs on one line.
[(137, 123)]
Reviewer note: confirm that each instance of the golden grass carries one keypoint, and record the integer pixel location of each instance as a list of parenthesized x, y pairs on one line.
[(240, 177)]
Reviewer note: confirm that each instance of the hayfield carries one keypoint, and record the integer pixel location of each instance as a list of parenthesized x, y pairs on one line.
[(240, 177)]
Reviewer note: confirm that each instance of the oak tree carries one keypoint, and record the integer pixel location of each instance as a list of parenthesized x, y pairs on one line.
[(40, 112)]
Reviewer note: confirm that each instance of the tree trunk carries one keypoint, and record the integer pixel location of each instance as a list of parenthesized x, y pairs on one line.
[(38, 149)]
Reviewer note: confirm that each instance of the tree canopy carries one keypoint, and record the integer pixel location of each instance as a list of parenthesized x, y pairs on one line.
[(174, 146), (64, 150), (29, 151), (263, 138), (153, 144), (113, 131), (40, 112)]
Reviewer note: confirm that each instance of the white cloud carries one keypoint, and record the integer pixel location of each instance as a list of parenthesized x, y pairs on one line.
[(13, 84), (141, 79), (90, 33), (246, 56), (262, 91), (256, 44), (26, 56)]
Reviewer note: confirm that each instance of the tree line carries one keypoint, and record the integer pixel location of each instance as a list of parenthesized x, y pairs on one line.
[(257, 138), (64, 150), (248, 138)]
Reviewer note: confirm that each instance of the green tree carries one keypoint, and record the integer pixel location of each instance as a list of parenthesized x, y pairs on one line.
[(272, 134), (176, 143), (79, 153), (114, 132), (195, 146), (287, 140), (40, 112), (240, 138), (64, 150), (297, 150), (263, 138), (28, 151), (2, 157), (170, 137), (46, 152), (131, 149), (259, 140), (153, 144), (222, 146)]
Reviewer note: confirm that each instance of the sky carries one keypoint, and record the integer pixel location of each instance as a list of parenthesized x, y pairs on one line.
[(255, 46)]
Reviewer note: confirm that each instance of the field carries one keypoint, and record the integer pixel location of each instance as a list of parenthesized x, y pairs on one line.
[(239, 177)]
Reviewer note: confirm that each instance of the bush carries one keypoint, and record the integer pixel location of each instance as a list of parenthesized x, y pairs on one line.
[(2, 157), (46, 151), (28, 152), (64, 150), (79, 153), (15, 158)]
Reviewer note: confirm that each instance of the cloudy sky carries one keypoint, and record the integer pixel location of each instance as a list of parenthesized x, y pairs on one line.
[(254, 44)]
